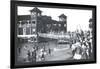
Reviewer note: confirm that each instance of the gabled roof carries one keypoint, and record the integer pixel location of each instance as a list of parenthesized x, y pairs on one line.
[(62, 15), (36, 10)]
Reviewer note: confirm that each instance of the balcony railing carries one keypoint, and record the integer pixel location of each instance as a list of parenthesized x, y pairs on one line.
[(26, 25)]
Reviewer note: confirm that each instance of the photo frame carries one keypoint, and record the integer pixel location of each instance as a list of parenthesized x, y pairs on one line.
[(52, 34)]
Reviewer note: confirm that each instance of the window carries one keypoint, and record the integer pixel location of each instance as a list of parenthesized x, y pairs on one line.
[(54, 24), (59, 25), (33, 13), (33, 22), (20, 31), (39, 14), (33, 30), (62, 19), (27, 30), (48, 25), (24, 31), (64, 25)]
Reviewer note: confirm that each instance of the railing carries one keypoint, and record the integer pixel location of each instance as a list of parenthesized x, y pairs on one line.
[(26, 36), (26, 25), (54, 36), (47, 35)]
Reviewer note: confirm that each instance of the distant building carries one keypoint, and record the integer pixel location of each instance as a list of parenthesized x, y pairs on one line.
[(37, 23)]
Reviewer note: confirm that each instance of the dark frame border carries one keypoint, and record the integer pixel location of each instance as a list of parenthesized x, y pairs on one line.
[(13, 13)]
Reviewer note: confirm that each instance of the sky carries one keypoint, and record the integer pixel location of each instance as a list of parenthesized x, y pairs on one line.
[(76, 19)]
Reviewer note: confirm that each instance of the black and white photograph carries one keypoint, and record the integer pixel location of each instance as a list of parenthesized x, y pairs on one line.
[(49, 34), (53, 34)]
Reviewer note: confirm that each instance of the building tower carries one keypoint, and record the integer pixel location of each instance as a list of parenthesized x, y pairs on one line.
[(35, 13), (63, 22)]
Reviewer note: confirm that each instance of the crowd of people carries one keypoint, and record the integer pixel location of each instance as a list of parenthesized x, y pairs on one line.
[(82, 46), (36, 54), (41, 54)]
